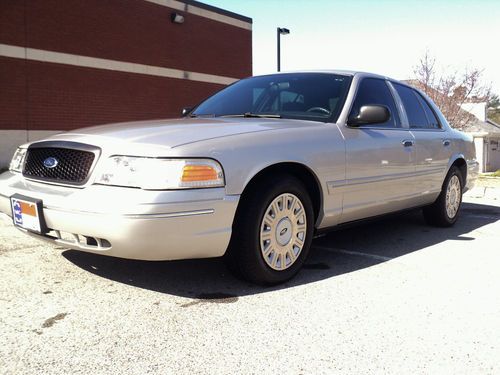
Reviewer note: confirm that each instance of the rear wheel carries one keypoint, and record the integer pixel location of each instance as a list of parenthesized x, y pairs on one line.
[(272, 233), (444, 211)]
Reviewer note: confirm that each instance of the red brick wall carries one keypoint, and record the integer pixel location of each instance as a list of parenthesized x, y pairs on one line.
[(46, 96), (13, 94), (12, 25), (141, 32), (71, 96)]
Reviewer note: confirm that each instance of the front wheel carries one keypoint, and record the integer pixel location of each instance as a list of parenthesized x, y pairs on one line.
[(444, 211), (272, 232)]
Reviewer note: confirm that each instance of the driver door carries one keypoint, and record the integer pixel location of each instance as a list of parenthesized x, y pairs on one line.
[(380, 158)]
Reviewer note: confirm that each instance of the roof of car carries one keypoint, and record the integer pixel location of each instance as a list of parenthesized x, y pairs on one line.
[(339, 72)]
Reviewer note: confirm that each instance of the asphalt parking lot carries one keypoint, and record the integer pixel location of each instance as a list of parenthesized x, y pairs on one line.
[(392, 296)]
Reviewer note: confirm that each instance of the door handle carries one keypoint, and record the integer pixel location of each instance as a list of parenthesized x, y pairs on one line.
[(446, 143), (407, 143)]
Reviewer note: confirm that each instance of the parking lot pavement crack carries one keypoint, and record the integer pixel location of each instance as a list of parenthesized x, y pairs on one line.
[(51, 321), (476, 192), (205, 298), (20, 248)]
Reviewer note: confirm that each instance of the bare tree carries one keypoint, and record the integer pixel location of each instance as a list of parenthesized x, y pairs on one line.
[(451, 90), (494, 109)]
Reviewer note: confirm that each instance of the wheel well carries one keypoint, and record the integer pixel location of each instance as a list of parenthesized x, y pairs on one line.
[(299, 171), (462, 165)]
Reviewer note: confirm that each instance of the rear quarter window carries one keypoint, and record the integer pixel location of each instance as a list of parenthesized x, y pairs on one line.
[(431, 116), (413, 107)]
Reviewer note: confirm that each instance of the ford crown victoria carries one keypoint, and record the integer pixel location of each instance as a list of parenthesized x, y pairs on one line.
[(251, 174)]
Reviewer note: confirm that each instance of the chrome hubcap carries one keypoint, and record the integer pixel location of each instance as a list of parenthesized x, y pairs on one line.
[(283, 231), (453, 195)]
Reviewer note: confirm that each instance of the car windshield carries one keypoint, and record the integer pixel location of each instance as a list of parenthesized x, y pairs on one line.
[(310, 96)]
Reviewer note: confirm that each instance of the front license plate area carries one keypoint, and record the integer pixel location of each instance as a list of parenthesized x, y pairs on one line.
[(27, 213)]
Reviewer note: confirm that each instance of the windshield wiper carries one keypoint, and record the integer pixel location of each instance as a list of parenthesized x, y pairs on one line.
[(257, 115), (209, 115)]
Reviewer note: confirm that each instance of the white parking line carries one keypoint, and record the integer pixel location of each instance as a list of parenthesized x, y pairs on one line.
[(356, 253)]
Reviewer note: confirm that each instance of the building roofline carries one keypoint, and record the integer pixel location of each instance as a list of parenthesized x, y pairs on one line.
[(217, 10), (483, 134), (492, 123)]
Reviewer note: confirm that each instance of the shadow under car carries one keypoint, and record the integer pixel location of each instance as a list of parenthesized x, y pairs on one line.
[(209, 279)]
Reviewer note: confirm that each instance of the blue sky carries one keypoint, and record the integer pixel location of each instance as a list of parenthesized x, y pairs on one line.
[(385, 36)]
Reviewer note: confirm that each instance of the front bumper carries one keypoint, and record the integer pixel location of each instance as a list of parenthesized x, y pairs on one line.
[(130, 223)]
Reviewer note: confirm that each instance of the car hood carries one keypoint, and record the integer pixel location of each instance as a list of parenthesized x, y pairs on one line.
[(174, 133)]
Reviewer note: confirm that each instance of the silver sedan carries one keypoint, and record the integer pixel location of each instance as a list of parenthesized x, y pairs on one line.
[(251, 174)]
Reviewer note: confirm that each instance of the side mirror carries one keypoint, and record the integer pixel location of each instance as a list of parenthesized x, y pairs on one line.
[(370, 114), (186, 111)]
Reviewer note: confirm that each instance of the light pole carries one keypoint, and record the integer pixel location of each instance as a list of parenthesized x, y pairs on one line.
[(280, 31)]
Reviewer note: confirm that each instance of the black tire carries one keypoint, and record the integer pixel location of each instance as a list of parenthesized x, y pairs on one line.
[(244, 257), (436, 214)]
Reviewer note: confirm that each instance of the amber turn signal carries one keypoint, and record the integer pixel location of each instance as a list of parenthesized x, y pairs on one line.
[(192, 173)]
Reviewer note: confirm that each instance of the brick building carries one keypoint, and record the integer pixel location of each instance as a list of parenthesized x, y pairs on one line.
[(66, 64)]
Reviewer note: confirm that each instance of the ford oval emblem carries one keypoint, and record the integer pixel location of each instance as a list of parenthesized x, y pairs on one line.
[(50, 162)]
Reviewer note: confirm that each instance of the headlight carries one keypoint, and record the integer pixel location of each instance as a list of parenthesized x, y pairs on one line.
[(17, 162), (160, 174)]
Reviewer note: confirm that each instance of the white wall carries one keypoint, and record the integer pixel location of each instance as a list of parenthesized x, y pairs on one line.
[(493, 154), (476, 109), (479, 143)]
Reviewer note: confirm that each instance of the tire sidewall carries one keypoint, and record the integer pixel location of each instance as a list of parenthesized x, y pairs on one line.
[(291, 186), (453, 172)]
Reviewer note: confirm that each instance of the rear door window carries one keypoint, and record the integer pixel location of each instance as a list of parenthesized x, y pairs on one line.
[(414, 108)]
